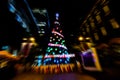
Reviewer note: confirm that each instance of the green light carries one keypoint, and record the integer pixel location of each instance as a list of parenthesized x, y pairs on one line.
[(60, 51), (56, 42), (53, 53), (56, 49)]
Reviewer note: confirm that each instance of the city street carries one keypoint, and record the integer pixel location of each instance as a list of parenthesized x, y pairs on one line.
[(63, 76), (59, 40)]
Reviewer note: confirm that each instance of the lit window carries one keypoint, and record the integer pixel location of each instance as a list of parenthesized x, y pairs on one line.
[(96, 36), (103, 31), (92, 22), (92, 25), (106, 10), (91, 19), (84, 33), (114, 23), (87, 28), (98, 18)]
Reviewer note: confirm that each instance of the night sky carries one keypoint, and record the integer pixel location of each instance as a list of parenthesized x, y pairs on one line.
[(72, 13)]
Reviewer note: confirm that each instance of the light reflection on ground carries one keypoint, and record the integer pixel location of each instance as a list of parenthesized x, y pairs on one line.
[(63, 76)]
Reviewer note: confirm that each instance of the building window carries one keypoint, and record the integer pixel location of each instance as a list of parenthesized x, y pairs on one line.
[(103, 1), (96, 36), (84, 33), (106, 10), (91, 19), (114, 23), (92, 25), (98, 18), (87, 28), (103, 31)]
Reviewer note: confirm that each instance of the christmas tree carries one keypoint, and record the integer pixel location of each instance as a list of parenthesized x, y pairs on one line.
[(57, 52)]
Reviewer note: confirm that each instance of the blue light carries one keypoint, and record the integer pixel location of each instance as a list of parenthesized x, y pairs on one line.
[(44, 64), (5, 47), (68, 59), (54, 60), (11, 8), (18, 18), (24, 25), (50, 59), (39, 64), (57, 61), (65, 62), (60, 60), (40, 56)]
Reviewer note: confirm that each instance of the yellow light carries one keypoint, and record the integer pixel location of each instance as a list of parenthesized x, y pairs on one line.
[(24, 38), (87, 38), (80, 38), (32, 39), (97, 63)]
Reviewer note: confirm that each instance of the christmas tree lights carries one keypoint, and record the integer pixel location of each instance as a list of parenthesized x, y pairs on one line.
[(57, 52)]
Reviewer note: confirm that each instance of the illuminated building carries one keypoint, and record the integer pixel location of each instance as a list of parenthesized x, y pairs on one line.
[(102, 25), (102, 22)]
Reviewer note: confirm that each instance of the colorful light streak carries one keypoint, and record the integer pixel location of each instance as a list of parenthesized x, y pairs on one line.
[(60, 56), (57, 45), (57, 33)]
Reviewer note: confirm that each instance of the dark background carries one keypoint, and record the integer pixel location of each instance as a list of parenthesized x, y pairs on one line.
[(72, 13)]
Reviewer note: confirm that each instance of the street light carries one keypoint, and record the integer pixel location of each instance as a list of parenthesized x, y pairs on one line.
[(81, 38), (32, 39), (87, 38)]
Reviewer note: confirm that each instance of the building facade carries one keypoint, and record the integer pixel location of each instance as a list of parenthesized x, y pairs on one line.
[(102, 22)]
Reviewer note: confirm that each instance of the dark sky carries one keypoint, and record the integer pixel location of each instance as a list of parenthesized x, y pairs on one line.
[(72, 12)]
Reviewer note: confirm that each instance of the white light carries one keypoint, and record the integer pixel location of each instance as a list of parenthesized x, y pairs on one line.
[(43, 32), (60, 56), (57, 14), (24, 38), (41, 24), (36, 10), (57, 45), (38, 31)]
